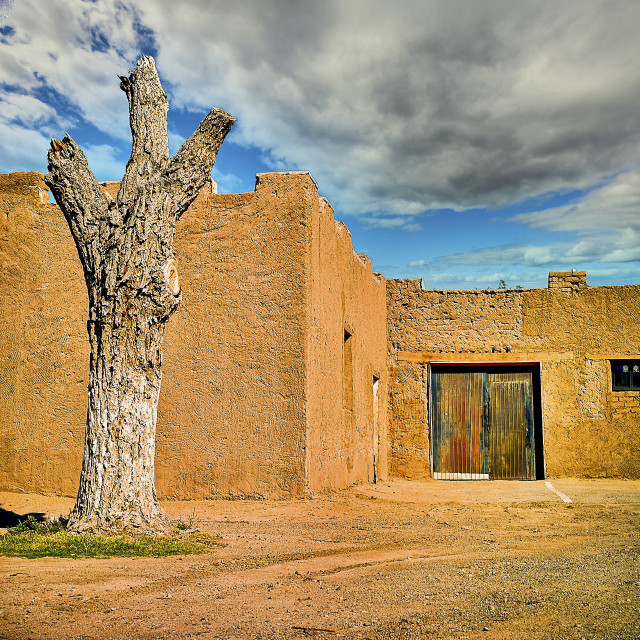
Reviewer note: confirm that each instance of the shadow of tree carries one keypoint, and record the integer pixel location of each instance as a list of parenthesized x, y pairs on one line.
[(11, 519)]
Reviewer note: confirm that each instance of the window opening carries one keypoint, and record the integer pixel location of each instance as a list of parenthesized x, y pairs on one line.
[(347, 371), (625, 375)]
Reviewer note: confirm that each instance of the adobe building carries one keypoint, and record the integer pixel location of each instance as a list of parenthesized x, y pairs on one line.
[(274, 375), (519, 383), (291, 367)]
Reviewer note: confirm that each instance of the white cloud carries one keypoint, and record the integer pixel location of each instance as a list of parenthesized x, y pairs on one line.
[(616, 205), (23, 143), (400, 108), (513, 279), (529, 255), (606, 222), (75, 49), (395, 222), (6, 6), (394, 108), (22, 148), (603, 228), (227, 183), (27, 110), (105, 161)]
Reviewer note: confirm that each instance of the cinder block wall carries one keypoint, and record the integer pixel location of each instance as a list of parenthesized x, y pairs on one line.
[(572, 329)]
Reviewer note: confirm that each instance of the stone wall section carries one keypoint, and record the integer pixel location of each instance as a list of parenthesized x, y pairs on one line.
[(571, 329)]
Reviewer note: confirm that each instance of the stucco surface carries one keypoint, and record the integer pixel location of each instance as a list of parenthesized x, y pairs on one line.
[(571, 329), (343, 438), (253, 367), (261, 395), (44, 349), (231, 414)]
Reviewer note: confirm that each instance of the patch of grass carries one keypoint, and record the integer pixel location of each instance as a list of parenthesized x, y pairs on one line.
[(33, 539)]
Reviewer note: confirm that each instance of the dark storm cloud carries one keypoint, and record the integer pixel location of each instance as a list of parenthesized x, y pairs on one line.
[(399, 109)]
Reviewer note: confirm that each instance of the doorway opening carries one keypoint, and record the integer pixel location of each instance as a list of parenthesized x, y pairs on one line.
[(486, 422), (376, 430)]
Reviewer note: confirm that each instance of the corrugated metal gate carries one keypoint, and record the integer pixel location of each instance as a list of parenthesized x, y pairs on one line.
[(482, 425)]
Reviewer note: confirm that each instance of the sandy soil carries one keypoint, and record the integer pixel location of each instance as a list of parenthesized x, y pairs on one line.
[(435, 560)]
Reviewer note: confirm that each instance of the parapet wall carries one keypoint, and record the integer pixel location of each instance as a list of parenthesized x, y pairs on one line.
[(571, 329)]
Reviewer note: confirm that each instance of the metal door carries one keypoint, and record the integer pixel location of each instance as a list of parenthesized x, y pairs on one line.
[(509, 428), (457, 417), (482, 425)]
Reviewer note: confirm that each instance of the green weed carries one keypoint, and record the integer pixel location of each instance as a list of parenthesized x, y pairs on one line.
[(191, 523), (34, 539)]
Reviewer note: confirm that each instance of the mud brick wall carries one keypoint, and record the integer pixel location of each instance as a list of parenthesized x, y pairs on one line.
[(252, 369), (626, 404), (44, 350), (568, 280), (408, 424), (231, 412), (344, 437), (571, 329), (430, 320)]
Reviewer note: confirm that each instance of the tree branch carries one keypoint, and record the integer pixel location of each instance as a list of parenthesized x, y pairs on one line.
[(79, 195), (148, 107), (191, 167)]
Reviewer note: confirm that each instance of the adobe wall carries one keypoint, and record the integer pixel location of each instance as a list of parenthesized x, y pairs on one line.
[(571, 329), (231, 412), (44, 351), (344, 434), (231, 416), (252, 384)]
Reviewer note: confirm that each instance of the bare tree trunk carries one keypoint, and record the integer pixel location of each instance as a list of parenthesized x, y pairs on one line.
[(126, 249)]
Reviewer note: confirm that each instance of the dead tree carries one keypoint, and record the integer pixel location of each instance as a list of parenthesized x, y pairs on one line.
[(126, 249)]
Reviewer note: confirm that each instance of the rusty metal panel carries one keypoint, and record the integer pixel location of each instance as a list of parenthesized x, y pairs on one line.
[(509, 427), (457, 418), (482, 425)]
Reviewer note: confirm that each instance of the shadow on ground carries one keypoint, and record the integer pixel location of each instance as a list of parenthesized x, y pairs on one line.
[(11, 519)]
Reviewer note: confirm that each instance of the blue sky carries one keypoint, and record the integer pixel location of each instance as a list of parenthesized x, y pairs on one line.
[(463, 142)]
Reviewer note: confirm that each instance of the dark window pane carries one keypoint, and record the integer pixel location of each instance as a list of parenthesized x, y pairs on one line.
[(625, 375)]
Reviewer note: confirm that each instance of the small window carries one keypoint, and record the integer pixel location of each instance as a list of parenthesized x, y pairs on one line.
[(625, 375), (347, 371)]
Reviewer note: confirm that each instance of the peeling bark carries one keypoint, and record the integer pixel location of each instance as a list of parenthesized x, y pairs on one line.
[(126, 249)]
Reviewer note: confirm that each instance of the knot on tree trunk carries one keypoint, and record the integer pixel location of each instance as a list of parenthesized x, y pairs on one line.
[(171, 276)]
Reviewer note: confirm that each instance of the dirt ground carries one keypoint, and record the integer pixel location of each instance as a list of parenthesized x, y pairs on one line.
[(436, 560)]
